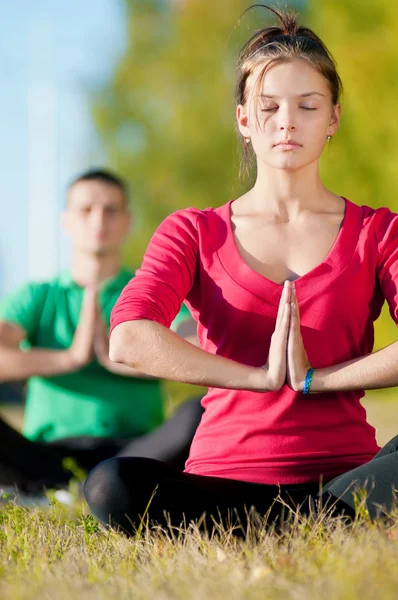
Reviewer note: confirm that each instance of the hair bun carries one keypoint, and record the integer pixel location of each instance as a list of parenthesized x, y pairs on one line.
[(288, 24), (288, 21)]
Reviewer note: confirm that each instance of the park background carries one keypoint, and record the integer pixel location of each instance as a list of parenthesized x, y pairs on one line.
[(146, 88)]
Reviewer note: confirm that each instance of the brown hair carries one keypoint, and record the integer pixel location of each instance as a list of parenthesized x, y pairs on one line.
[(103, 176), (283, 43)]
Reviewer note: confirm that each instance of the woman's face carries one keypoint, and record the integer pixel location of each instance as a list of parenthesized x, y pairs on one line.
[(289, 116)]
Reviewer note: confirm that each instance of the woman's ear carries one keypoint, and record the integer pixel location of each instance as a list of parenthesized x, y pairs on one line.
[(243, 120), (335, 119)]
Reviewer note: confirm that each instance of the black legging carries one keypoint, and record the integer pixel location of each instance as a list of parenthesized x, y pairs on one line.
[(32, 465), (120, 491)]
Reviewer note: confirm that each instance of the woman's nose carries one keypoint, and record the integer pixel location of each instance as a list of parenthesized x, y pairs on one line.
[(287, 127)]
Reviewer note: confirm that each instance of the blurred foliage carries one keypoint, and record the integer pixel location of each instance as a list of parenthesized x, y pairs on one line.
[(167, 117), (362, 161)]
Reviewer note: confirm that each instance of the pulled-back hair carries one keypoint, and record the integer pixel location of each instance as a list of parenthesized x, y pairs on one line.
[(280, 43)]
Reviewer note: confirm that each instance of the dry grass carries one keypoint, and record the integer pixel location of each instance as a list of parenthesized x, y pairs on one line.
[(63, 554), (60, 556)]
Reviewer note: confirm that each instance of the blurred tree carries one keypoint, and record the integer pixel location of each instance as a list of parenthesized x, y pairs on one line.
[(167, 117), (362, 162)]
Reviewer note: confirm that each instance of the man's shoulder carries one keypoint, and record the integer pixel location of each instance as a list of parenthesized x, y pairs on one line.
[(24, 304), (124, 276), (29, 289)]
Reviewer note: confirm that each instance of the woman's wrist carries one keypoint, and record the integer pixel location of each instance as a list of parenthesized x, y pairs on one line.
[(306, 388), (261, 381), (318, 381)]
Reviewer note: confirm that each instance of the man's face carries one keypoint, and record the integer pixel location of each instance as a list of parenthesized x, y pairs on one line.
[(96, 217)]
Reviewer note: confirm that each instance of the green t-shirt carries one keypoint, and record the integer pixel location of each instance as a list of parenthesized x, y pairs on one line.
[(92, 401)]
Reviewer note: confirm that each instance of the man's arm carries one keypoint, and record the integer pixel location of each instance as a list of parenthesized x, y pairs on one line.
[(101, 349), (16, 364)]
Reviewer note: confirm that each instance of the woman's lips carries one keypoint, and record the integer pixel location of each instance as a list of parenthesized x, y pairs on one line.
[(288, 145)]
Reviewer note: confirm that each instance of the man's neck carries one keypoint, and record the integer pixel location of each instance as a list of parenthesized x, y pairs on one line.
[(90, 269)]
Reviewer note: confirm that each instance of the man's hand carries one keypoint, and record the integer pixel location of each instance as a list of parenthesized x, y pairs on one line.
[(101, 349), (81, 351), (101, 343)]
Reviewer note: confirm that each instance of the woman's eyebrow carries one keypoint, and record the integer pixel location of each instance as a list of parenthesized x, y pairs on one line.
[(305, 95), (311, 94)]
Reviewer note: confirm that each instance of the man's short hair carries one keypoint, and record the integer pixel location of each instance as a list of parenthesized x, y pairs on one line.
[(102, 176)]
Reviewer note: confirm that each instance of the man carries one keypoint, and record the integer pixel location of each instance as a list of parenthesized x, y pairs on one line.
[(55, 335)]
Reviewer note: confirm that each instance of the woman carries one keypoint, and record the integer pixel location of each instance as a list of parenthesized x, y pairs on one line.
[(285, 283)]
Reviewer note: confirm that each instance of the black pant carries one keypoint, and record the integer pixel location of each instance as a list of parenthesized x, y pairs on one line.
[(120, 491), (32, 465)]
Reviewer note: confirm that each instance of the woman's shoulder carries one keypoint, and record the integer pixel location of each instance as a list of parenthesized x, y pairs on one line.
[(194, 213), (197, 217), (377, 227), (381, 221)]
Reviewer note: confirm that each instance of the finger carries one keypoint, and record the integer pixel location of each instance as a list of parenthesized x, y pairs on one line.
[(91, 290), (290, 286), (293, 307), (88, 317), (295, 342), (100, 321), (281, 352), (292, 303), (296, 306), (277, 352), (281, 306), (294, 321), (292, 340), (285, 327), (281, 330), (100, 336), (89, 302), (282, 303), (90, 296), (97, 339)]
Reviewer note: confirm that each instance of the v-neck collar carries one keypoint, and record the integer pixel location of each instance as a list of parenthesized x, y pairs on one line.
[(308, 284)]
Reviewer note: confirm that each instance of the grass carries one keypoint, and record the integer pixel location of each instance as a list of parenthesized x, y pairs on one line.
[(64, 554), (58, 555)]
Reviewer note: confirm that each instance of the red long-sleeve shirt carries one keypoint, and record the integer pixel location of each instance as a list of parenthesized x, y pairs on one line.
[(274, 437)]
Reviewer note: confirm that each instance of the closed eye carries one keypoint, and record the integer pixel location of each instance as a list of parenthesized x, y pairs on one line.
[(276, 108)]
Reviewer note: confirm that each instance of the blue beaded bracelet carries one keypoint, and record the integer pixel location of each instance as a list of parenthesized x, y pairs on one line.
[(308, 380)]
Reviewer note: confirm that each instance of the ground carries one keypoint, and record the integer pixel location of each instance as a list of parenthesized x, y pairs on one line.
[(62, 553)]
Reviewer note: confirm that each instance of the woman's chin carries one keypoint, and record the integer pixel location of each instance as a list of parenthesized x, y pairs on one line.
[(289, 162)]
